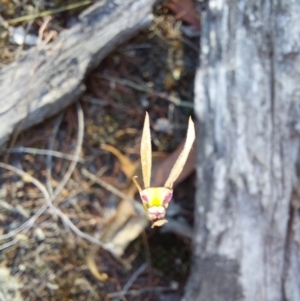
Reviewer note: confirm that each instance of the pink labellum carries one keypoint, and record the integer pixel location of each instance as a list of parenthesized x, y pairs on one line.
[(156, 213)]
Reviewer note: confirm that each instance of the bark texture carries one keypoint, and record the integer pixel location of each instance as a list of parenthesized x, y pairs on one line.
[(247, 228), (48, 78)]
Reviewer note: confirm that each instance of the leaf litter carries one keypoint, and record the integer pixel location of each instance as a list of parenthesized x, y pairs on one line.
[(54, 251)]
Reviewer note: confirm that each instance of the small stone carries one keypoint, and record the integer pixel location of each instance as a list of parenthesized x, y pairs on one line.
[(19, 36), (3, 192), (39, 234), (22, 267), (174, 285), (52, 286), (163, 125), (144, 102)]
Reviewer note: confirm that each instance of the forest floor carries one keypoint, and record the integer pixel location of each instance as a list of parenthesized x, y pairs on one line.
[(49, 254)]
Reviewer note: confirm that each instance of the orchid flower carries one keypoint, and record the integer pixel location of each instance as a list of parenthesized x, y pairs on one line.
[(156, 199)]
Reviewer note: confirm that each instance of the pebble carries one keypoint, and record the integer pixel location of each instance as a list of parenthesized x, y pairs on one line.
[(39, 234)]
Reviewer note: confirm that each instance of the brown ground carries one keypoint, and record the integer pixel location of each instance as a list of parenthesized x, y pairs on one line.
[(46, 260)]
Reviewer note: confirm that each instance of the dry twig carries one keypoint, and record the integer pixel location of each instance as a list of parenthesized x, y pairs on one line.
[(132, 279), (47, 152), (144, 88), (68, 174), (49, 156), (137, 206), (49, 200), (140, 291)]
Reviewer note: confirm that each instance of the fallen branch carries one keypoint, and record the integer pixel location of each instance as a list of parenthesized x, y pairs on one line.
[(48, 78)]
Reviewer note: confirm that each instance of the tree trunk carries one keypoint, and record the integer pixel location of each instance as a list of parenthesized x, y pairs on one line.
[(247, 225)]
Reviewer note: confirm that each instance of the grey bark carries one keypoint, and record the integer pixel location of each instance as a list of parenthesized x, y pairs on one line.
[(48, 78), (247, 97)]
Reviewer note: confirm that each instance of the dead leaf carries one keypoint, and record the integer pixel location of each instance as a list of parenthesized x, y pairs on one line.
[(127, 166), (162, 170), (123, 228), (185, 10), (93, 268), (124, 211)]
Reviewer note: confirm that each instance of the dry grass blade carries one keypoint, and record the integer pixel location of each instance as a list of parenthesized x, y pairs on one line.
[(178, 167), (47, 152), (140, 291), (127, 166), (78, 148), (146, 159), (49, 12)]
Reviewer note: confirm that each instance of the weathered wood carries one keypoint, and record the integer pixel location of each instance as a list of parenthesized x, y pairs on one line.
[(247, 235), (48, 78)]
